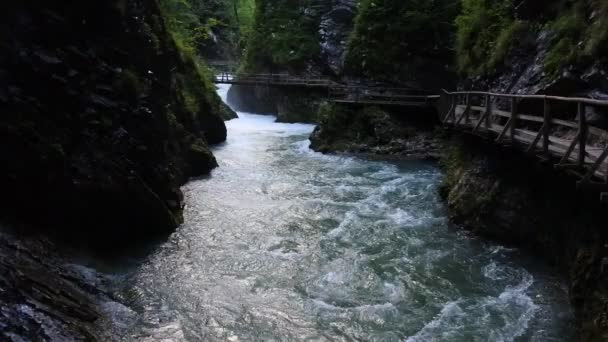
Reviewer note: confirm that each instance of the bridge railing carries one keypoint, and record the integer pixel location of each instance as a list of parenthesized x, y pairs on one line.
[(378, 95), (563, 130), (271, 79)]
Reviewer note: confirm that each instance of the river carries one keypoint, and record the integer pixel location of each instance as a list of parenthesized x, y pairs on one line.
[(284, 244)]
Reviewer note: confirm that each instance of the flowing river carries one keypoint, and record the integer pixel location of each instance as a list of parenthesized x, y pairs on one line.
[(285, 244)]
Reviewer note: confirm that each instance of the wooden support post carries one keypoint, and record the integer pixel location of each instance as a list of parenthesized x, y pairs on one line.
[(485, 118), (582, 152), (547, 127), (532, 147), (466, 110), (566, 156), (453, 102), (513, 119), (595, 167)]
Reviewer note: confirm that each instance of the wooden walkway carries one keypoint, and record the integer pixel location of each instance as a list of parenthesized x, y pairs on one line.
[(336, 92), (561, 135)]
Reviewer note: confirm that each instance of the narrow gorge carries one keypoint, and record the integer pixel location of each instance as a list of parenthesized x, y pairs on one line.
[(317, 191)]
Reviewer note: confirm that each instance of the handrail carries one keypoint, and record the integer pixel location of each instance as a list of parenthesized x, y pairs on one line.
[(579, 151), (536, 97)]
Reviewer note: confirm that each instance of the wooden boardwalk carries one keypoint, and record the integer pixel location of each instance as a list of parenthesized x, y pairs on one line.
[(336, 92), (561, 135)]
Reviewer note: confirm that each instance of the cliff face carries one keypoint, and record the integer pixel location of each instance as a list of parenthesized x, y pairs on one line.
[(534, 47), (404, 42), (103, 118)]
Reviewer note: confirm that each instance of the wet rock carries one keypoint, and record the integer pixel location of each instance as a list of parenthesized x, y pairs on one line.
[(101, 152), (335, 26), (41, 297), (372, 131)]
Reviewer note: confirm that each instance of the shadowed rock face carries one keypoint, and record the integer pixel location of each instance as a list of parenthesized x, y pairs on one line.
[(44, 298), (335, 27), (99, 129)]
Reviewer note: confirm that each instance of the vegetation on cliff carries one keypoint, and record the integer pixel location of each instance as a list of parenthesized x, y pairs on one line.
[(487, 30), (398, 40), (284, 36), (216, 29)]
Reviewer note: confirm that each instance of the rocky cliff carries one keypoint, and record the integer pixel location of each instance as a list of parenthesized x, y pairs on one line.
[(302, 37), (104, 118), (534, 47), (105, 114)]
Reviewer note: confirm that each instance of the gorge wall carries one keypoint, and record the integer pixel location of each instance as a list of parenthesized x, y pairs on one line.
[(105, 117), (106, 112)]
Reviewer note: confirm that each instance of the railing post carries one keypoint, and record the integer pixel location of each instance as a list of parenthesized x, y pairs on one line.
[(488, 111), (546, 127), (514, 118), (582, 152)]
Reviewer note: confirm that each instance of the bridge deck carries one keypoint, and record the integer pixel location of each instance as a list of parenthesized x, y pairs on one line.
[(577, 146), (338, 93)]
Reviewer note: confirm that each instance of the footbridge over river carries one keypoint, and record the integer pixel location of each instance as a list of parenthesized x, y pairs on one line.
[(554, 129)]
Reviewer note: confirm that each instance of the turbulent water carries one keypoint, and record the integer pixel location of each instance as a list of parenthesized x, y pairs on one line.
[(285, 244)]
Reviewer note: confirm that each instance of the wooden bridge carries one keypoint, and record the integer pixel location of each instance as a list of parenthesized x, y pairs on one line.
[(336, 92), (561, 135)]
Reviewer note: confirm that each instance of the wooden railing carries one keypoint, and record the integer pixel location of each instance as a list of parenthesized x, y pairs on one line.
[(271, 80), (562, 133), (336, 92)]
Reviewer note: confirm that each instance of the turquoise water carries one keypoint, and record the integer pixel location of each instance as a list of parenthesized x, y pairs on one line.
[(284, 244)]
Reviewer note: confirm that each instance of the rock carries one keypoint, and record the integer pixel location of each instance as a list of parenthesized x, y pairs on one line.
[(42, 297), (372, 131), (335, 26), (84, 77)]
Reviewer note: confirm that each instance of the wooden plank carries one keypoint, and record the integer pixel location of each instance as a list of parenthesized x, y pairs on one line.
[(525, 117)]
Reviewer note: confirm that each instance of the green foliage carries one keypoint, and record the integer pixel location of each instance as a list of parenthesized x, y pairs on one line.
[(576, 40), (389, 32), (485, 32), (283, 35), (568, 30)]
